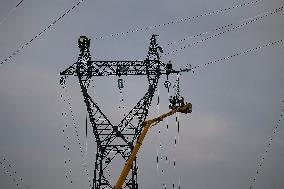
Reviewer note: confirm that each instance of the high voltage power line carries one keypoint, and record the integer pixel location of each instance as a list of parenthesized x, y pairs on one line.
[(223, 32), (247, 21), (179, 20), (10, 12), (277, 124), (43, 31), (194, 68), (267, 148), (130, 31)]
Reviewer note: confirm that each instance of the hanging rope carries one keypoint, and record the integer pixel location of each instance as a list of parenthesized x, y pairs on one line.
[(177, 142), (159, 144), (162, 157), (159, 131), (177, 91), (67, 147)]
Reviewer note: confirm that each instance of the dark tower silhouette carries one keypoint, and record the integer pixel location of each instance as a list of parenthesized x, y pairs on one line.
[(115, 141)]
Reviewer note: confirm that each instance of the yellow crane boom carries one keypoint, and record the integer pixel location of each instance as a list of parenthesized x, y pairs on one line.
[(186, 108)]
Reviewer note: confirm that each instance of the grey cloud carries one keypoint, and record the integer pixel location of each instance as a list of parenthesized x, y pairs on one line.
[(235, 102)]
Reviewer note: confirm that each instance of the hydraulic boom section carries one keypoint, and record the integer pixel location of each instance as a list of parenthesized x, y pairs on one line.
[(186, 108)]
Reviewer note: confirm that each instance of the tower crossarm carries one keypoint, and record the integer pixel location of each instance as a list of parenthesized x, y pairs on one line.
[(118, 68)]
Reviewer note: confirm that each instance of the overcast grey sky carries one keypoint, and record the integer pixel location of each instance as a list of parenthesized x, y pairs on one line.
[(236, 103)]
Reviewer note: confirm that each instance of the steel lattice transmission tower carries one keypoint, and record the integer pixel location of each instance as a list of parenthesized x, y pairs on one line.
[(117, 140)]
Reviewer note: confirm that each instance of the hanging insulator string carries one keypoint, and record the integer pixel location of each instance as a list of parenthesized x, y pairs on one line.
[(120, 84)]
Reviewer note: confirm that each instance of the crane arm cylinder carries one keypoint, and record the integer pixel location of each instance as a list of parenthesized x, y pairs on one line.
[(131, 158), (146, 125)]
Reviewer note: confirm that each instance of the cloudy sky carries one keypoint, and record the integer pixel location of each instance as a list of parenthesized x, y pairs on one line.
[(236, 102)]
